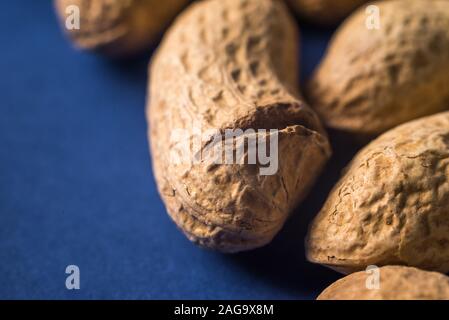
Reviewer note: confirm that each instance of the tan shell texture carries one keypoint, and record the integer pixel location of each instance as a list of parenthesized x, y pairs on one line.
[(232, 65), (392, 204), (325, 12), (119, 27), (372, 80), (396, 283)]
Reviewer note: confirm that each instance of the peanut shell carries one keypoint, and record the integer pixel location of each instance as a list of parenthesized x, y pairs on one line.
[(118, 28), (232, 65), (372, 80), (325, 12), (392, 204), (396, 283)]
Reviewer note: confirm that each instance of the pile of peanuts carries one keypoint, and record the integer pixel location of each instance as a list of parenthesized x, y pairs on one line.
[(233, 65)]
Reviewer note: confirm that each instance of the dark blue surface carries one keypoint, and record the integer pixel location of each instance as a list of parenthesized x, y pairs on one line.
[(76, 185)]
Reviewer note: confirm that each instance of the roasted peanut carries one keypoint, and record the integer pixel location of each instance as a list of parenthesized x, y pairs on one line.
[(372, 80), (325, 12), (395, 283), (230, 65), (118, 27), (391, 206)]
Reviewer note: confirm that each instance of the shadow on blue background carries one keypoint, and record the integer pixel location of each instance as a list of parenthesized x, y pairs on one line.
[(76, 185)]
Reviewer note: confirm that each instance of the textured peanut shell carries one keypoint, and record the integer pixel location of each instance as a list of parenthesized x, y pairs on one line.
[(119, 27), (392, 204), (396, 283), (373, 80), (232, 64), (325, 12)]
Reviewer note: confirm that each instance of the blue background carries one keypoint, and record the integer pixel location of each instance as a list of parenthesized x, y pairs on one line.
[(76, 185)]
